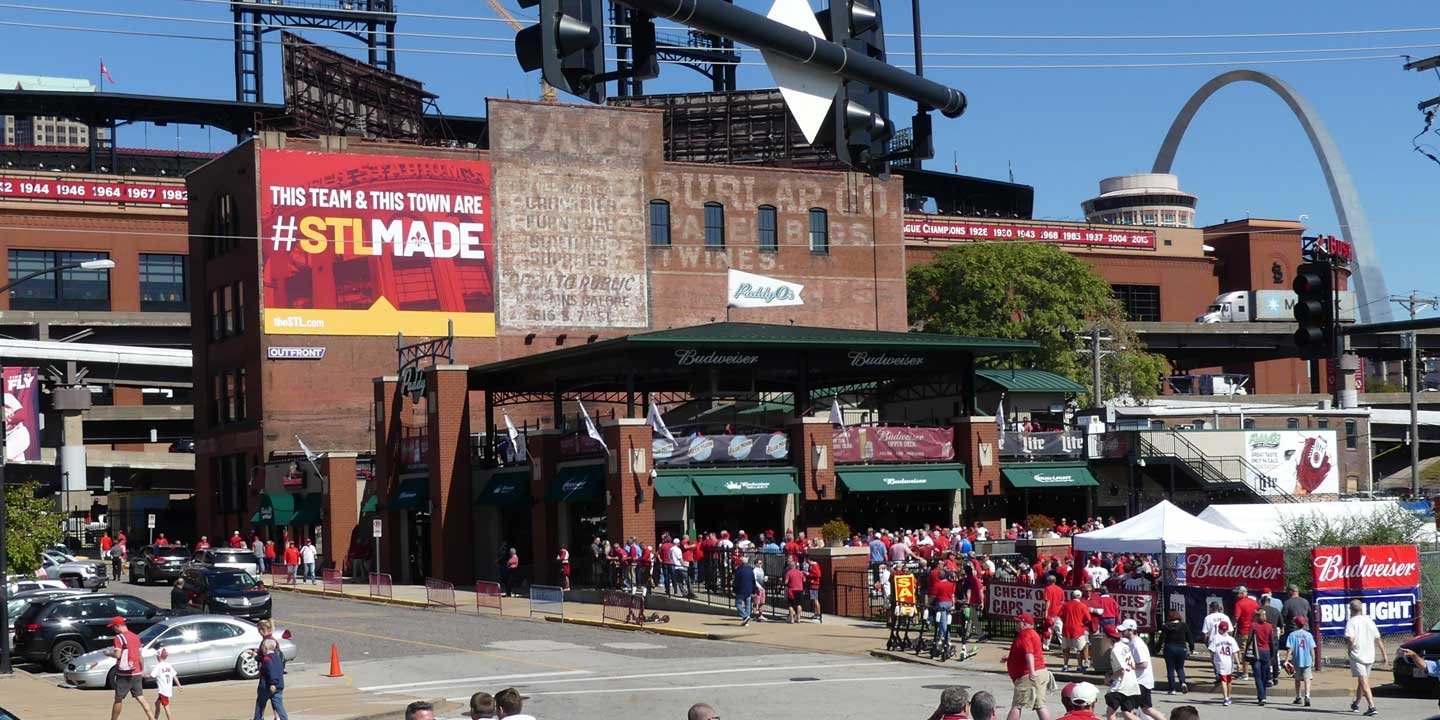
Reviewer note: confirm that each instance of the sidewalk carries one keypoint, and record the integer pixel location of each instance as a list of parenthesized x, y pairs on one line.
[(840, 635)]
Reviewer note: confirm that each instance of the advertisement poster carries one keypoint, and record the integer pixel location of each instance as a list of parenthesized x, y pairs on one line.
[(931, 227), (22, 414), (1385, 577), (1068, 444), (904, 594), (720, 448), (1297, 462), (879, 443), (1011, 599), (1227, 568), (371, 245)]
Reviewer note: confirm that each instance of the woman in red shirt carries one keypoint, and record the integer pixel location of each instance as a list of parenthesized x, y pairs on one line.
[(812, 584), (942, 591)]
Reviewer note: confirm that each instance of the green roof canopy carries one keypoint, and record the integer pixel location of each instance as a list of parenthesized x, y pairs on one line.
[(764, 481), (282, 509), (577, 483), (675, 486), (506, 487), (889, 478), (411, 494), (1048, 475), (372, 504), (1029, 381)]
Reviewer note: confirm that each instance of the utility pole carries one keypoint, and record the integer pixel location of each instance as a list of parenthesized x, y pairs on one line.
[(1413, 303), (1095, 365)]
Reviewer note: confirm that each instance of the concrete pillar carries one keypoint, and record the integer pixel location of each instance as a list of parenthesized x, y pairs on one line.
[(448, 458), (810, 453), (1347, 396), (628, 481), (72, 462), (342, 507), (388, 403)]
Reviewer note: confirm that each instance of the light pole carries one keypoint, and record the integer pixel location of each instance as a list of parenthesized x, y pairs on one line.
[(5, 669)]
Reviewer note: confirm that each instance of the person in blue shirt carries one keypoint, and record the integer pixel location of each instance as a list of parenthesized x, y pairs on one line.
[(1300, 647), (965, 546), (1431, 668), (877, 556)]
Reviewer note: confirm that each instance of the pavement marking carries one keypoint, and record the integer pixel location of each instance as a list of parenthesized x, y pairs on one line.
[(460, 681), (684, 673), (633, 646), (434, 646), (534, 645), (735, 685)]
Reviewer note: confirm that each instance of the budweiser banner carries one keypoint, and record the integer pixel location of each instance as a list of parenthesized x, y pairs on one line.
[(879, 443), (695, 449), (1384, 577), (22, 414), (1011, 599), (1226, 568), (1070, 444)]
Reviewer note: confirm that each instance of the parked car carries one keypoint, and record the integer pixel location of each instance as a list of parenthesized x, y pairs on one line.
[(15, 602), (75, 573), (221, 591), (157, 562), (231, 558), (59, 629), (1428, 647), (197, 645), (25, 584)]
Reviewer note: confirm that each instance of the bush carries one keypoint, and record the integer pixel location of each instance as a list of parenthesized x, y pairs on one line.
[(1039, 522), (836, 530)]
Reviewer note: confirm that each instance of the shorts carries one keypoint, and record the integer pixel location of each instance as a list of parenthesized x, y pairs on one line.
[(1120, 701), (814, 593), (1032, 695), (163, 700), (1076, 644), (797, 598), (1359, 669), (1145, 701), (129, 685), (1304, 673)]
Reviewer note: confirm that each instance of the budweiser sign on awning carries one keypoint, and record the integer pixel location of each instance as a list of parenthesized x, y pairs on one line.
[(1227, 568)]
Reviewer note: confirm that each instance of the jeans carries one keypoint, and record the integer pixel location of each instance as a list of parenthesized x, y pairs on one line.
[(682, 579), (309, 572), (1262, 673), (263, 696), (1175, 654), (942, 621), (745, 605), (667, 577)]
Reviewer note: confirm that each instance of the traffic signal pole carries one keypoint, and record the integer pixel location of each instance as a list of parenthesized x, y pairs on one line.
[(743, 26)]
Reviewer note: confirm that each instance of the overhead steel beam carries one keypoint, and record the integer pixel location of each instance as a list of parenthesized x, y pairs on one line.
[(743, 26)]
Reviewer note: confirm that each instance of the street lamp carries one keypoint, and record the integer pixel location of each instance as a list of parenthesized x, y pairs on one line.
[(96, 264)]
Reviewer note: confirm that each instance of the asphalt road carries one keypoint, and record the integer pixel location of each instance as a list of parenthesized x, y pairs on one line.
[(396, 655)]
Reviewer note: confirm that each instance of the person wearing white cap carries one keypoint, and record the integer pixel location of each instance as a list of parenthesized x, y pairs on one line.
[(1144, 668), (1079, 700), (1123, 699)]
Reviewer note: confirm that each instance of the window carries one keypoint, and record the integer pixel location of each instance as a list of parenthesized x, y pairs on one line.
[(765, 224), (819, 231), (1248, 423), (1322, 423), (239, 307), (229, 397), (212, 631), (1352, 434), (217, 400), (227, 310), (240, 413), (223, 226), (162, 283), (130, 607), (415, 284), (659, 223), (213, 309), (1140, 302), (72, 289), (714, 225), (1292, 423)]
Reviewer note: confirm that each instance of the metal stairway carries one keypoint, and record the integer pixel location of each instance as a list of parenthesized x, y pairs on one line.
[(1225, 472)]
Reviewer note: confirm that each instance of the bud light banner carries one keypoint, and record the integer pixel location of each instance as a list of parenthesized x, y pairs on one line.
[(704, 449), (1226, 568), (1392, 610), (1384, 577), (883, 443), (22, 414)]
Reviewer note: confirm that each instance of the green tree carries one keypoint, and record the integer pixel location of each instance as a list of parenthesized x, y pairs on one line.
[(1033, 291), (33, 525)]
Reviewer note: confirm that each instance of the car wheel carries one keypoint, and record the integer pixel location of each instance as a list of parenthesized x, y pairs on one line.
[(63, 652), (247, 667), (110, 679)]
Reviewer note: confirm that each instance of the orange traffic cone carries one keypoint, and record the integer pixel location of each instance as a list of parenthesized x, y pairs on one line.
[(334, 663)]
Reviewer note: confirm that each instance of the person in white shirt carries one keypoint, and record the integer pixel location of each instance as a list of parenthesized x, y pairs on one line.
[(1210, 625), (982, 533), (1097, 575), (1123, 699), (676, 561), (1144, 668), (759, 611), (166, 680), (1363, 637), (1224, 653), (307, 560)]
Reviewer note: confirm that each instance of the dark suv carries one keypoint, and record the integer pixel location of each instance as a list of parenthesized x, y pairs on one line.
[(158, 562), (221, 591), (59, 629)]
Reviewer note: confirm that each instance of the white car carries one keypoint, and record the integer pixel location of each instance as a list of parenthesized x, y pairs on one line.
[(76, 573), (22, 584), (197, 645)]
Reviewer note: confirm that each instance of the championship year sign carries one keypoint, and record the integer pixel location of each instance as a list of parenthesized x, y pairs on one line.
[(931, 227), (1386, 578), (1006, 600), (1226, 568)]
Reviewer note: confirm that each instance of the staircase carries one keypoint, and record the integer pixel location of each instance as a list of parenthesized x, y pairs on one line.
[(1227, 472)]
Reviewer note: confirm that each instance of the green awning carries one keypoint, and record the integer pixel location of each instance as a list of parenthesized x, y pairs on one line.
[(1049, 476), (888, 478), (577, 483), (1029, 381), (372, 504), (674, 486), (776, 482), (282, 509), (309, 509), (510, 487), (411, 494), (255, 518)]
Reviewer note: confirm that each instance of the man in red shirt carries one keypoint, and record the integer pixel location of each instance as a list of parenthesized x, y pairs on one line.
[(129, 668), (204, 543), (236, 541), (1109, 614), (942, 596), (794, 589), (1054, 598), (1245, 607), (1026, 666), (667, 574), (812, 586), (161, 541), (1075, 628)]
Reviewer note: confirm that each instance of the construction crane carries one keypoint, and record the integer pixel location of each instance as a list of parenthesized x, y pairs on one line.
[(547, 93)]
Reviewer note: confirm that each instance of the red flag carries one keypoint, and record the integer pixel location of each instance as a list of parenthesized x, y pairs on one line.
[(104, 72)]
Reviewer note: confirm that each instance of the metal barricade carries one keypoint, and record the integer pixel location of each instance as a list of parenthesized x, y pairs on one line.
[(622, 607), (333, 581), (381, 585), (547, 600), (282, 575), (488, 594), (440, 592)]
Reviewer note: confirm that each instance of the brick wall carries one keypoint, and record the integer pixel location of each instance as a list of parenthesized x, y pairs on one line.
[(451, 549), (632, 492), (972, 436), (342, 508)]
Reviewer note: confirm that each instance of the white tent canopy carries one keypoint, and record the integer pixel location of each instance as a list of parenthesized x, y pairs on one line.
[(1161, 529), (1262, 522)]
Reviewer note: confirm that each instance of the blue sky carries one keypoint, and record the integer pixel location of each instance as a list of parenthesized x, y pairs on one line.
[(1062, 129)]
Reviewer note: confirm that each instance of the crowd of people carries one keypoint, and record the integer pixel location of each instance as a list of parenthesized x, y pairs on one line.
[(299, 560)]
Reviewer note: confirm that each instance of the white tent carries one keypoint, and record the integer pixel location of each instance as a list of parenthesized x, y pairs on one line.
[(1262, 522), (1161, 529)]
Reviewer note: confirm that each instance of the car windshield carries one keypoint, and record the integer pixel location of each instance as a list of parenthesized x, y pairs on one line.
[(235, 557), (153, 632), (239, 579), (177, 552)]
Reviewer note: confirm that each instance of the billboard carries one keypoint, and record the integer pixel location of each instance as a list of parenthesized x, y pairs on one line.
[(694, 449), (372, 245), (1226, 568), (22, 414), (1386, 578), (1297, 462), (937, 228), (1006, 600), (110, 191), (892, 443)]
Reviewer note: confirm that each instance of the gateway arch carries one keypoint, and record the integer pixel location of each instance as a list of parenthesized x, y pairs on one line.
[(1366, 278)]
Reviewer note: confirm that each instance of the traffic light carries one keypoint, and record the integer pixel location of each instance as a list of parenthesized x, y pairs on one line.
[(1315, 310), (566, 45), (861, 125)]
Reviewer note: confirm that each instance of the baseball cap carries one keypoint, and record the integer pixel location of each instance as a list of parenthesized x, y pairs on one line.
[(1300, 621), (1128, 624), (1224, 625), (1025, 618), (116, 621), (1074, 593), (1081, 692)]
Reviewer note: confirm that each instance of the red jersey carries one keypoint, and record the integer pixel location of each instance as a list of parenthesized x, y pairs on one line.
[(943, 591), (236, 541), (106, 543), (942, 542), (974, 591), (1264, 635), (269, 551), (794, 580), (202, 545), (292, 555), (812, 578), (129, 662), (687, 552), (1027, 643), (1245, 613), (1076, 616), (162, 542), (1054, 599)]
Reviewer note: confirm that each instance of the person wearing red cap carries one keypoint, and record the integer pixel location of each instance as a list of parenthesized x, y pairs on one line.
[(129, 667), (1225, 653), (1026, 666)]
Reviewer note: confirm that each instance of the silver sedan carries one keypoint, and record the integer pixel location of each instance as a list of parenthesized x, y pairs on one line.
[(196, 645)]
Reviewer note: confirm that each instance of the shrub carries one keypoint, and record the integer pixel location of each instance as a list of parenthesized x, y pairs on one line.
[(1039, 522), (836, 530)]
